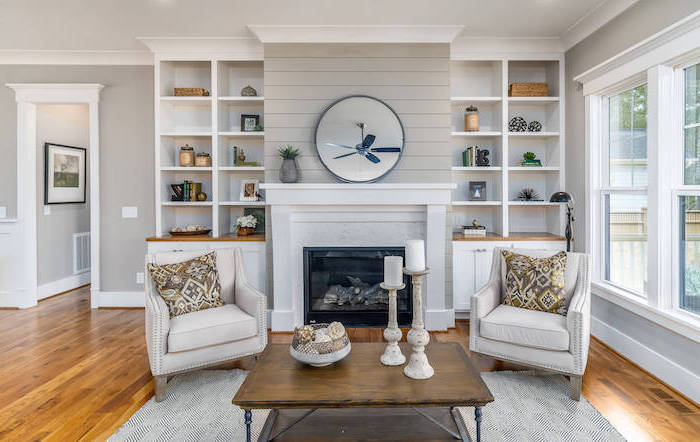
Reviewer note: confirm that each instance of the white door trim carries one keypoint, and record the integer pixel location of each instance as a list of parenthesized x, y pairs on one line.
[(28, 95)]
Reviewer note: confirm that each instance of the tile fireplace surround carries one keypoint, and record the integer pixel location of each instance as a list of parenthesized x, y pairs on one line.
[(318, 215)]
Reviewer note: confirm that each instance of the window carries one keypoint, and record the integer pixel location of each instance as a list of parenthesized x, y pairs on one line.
[(689, 204), (624, 191)]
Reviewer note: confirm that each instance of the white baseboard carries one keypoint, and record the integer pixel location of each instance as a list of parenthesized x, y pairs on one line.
[(122, 299), (282, 320), (657, 364), (16, 299), (439, 320), (63, 285)]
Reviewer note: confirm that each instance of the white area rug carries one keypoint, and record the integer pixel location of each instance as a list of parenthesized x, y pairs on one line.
[(528, 407)]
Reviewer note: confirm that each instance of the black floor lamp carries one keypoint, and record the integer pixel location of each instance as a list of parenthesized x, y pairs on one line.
[(563, 197)]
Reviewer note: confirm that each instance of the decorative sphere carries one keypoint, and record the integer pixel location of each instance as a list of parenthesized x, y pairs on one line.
[(534, 126), (517, 124)]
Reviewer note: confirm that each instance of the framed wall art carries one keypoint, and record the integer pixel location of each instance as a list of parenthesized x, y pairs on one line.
[(64, 174)]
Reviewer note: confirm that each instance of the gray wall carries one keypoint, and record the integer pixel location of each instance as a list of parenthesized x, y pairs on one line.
[(67, 124), (637, 23), (301, 80), (126, 158)]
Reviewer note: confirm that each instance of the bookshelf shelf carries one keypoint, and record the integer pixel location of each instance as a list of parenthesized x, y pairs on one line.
[(185, 169), (242, 134), (477, 203), (242, 203), (477, 169), (476, 134), (186, 203), (242, 168)]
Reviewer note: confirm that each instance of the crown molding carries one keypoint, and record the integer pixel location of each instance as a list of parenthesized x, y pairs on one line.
[(593, 20), (355, 33), (204, 48), (492, 48), (72, 57), (664, 47), (56, 92)]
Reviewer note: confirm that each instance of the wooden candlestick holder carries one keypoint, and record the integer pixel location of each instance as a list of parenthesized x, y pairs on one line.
[(392, 354), (418, 366)]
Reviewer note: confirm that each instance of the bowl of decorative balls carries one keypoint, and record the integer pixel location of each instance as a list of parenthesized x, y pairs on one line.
[(320, 344)]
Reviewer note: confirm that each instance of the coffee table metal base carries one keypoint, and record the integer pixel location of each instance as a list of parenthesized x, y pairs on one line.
[(462, 433)]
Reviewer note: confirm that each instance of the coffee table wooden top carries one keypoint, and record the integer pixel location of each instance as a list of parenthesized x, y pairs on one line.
[(360, 381)]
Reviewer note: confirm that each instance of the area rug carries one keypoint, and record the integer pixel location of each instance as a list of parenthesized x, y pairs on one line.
[(528, 407)]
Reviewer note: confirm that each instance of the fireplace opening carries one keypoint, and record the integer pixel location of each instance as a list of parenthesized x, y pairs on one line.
[(342, 284)]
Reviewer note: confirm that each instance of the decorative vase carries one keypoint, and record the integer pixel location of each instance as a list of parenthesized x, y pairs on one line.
[(245, 231), (289, 173)]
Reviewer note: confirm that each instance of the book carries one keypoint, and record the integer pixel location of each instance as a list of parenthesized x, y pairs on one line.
[(531, 163), (247, 164)]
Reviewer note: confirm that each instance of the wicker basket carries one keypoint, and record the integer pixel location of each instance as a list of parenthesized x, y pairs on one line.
[(320, 354), (191, 92), (528, 90)]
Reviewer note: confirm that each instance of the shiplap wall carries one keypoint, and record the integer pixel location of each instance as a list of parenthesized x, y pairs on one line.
[(301, 80)]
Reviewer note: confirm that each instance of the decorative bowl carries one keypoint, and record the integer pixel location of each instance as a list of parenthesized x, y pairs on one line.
[(313, 345)]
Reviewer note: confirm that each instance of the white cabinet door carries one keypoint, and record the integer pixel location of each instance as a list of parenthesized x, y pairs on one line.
[(482, 266), (462, 276)]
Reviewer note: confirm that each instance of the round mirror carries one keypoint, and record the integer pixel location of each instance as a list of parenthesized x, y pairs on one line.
[(359, 139)]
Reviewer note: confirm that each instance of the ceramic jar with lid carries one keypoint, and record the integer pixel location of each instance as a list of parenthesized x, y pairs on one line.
[(471, 119), (186, 156), (202, 159)]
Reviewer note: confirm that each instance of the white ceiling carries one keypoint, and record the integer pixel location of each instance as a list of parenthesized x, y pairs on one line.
[(115, 24)]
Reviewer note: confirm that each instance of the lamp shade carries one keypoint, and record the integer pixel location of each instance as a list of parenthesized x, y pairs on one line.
[(561, 197)]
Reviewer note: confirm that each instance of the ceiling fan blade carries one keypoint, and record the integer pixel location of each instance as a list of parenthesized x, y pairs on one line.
[(386, 149), (372, 158), (346, 155), (369, 139), (341, 145)]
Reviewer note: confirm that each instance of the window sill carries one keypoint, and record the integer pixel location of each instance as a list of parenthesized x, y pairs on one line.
[(678, 322)]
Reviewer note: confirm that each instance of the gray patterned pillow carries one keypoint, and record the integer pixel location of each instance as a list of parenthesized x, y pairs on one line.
[(536, 283), (188, 286)]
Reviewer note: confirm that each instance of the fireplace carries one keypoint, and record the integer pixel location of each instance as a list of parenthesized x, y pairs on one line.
[(342, 284)]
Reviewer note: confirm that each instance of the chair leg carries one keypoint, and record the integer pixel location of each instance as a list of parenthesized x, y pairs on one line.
[(160, 384), (575, 387)]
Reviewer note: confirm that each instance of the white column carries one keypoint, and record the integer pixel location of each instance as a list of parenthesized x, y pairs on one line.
[(26, 282), (283, 291), (437, 317), (94, 153)]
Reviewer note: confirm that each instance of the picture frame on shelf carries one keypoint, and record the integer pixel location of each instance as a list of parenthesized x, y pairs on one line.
[(477, 190), (250, 189), (65, 171), (249, 122)]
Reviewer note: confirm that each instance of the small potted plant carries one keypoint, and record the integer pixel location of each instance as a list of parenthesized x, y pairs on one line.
[(530, 159), (246, 225), (289, 172)]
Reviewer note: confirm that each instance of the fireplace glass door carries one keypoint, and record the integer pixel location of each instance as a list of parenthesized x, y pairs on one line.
[(342, 284)]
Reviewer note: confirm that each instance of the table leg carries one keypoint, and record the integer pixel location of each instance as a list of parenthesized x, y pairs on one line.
[(248, 417), (477, 417)]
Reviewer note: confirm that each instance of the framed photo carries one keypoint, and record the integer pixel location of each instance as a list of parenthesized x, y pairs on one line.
[(249, 122), (249, 190), (477, 190), (64, 174)]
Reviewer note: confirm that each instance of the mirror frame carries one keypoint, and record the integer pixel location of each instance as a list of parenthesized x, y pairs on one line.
[(403, 138)]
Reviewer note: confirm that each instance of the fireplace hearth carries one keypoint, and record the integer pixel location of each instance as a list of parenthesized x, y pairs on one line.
[(342, 284)]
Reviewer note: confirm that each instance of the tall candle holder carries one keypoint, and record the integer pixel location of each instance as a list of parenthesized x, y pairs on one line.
[(392, 354), (418, 366)]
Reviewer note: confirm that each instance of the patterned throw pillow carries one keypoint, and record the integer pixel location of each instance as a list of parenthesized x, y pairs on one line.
[(188, 286), (535, 283)]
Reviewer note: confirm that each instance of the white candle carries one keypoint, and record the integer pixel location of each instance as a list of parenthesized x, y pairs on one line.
[(415, 255), (393, 270)]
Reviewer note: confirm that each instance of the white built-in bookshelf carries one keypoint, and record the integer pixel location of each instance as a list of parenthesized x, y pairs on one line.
[(484, 84), (210, 124)]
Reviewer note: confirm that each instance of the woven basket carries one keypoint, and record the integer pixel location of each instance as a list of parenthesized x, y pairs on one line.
[(528, 90), (320, 348), (191, 92)]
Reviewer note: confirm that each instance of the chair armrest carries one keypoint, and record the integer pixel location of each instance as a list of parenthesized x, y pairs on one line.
[(247, 297), (157, 327), (485, 300), (578, 317)]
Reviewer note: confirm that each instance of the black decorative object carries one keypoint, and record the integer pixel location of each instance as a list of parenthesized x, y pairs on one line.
[(517, 124), (250, 122), (534, 126), (249, 91), (563, 197), (529, 194), (481, 159)]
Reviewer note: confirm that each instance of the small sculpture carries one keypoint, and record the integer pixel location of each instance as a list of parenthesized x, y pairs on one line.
[(476, 224), (305, 334), (517, 124), (529, 194), (201, 196), (534, 126), (481, 159), (241, 156), (249, 91), (335, 330)]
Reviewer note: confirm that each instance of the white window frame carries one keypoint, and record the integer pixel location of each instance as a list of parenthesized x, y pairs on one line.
[(660, 61)]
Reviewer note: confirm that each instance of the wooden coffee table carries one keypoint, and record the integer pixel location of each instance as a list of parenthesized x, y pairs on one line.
[(280, 383)]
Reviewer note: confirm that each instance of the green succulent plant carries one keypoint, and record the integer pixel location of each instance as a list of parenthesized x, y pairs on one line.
[(529, 156), (288, 152)]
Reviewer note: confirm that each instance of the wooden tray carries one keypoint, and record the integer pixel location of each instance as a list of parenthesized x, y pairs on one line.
[(192, 233)]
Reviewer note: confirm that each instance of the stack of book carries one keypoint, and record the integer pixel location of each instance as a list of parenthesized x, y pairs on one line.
[(470, 155), (531, 163), (474, 230)]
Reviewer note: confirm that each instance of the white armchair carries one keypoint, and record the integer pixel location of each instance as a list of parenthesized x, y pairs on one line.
[(536, 339), (207, 337)]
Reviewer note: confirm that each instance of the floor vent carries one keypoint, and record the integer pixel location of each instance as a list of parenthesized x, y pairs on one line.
[(81, 252)]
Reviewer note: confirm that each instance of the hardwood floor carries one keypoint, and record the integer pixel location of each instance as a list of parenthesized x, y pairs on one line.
[(72, 373)]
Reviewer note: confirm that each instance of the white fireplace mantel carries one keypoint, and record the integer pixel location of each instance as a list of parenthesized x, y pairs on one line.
[(335, 214)]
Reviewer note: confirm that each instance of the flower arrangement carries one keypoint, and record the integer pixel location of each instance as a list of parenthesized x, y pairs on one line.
[(246, 225)]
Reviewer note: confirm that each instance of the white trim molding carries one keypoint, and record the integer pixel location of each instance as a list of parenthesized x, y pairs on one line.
[(356, 33), (121, 299), (62, 285), (28, 96), (657, 364), (667, 45), (204, 48), (593, 20)]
